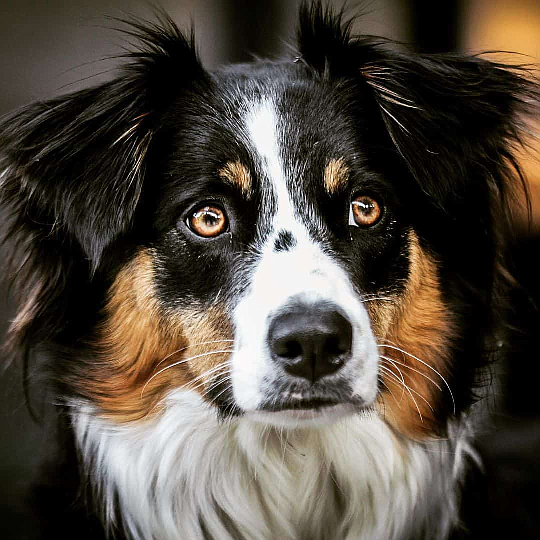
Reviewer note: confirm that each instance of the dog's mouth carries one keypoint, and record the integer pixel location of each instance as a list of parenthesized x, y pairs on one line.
[(304, 409), (311, 402), (300, 404)]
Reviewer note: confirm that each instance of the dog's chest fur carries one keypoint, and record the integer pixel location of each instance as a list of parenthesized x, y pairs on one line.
[(352, 480)]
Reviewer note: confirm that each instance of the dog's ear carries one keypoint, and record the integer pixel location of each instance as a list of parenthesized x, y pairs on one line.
[(455, 120), (72, 173), (74, 166)]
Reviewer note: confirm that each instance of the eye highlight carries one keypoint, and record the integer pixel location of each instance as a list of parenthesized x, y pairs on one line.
[(208, 221), (365, 211)]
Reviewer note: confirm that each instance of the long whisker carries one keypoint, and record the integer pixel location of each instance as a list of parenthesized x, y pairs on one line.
[(182, 362), (419, 395), (428, 366), (393, 375), (391, 393), (218, 381), (223, 391), (400, 374), (205, 374), (215, 380), (386, 410), (192, 345), (394, 361), (216, 376), (400, 380)]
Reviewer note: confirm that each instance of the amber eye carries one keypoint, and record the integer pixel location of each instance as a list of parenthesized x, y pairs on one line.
[(365, 211), (208, 221)]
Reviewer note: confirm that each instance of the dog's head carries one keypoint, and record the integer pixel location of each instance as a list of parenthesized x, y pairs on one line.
[(293, 241)]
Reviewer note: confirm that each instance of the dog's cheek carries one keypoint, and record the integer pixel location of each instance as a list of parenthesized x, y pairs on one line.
[(415, 332), (144, 351)]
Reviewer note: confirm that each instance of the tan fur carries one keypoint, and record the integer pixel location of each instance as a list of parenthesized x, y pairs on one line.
[(335, 175), (419, 323), (138, 339), (238, 175)]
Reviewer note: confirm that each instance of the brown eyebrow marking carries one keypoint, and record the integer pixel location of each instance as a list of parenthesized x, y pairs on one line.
[(238, 175), (335, 175)]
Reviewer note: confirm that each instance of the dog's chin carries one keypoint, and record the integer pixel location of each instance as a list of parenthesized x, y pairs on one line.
[(309, 414)]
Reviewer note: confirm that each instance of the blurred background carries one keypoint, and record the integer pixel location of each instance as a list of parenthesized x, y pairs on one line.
[(57, 46)]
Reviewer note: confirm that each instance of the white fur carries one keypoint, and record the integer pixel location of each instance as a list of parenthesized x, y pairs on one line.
[(304, 274), (265, 135), (187, 475)]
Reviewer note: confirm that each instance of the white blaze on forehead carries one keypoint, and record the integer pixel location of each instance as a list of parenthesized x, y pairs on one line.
[(265, 134), (304, 273), (263, 130)]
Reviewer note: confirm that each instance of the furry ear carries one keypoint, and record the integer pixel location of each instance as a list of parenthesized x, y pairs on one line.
[(72, 172), (455, 120), (75, 165)]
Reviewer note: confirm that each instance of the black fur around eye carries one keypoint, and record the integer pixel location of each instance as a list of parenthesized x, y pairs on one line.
[(208, 221), (365, 211)]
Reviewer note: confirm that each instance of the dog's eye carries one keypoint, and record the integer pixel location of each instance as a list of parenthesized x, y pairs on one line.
[(208, 221), (365, 211)]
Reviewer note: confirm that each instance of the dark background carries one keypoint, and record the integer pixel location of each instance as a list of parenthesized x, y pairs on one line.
[(57, 46)]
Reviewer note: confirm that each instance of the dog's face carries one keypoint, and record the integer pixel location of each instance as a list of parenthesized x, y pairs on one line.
[(292, 241), (282, 229), (284, 258)]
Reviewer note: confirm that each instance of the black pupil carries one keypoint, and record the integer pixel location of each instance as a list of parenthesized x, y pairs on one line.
[(211, 217), (365, 207), (208, 217)]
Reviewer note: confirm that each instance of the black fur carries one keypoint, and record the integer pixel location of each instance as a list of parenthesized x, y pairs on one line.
[(284, 241)]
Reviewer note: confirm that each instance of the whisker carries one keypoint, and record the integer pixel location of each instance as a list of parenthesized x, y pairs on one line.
[(215, 384), (402, 380), (393, 360), (391, 393), (428, 366), (182, 362), (420, 396), (219, 380), (410, 388), (192, 345), (399, 371), (205, 374), (223, 391), (393, 375), (216, 376)]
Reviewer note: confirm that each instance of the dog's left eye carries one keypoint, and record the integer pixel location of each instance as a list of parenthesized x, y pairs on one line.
[(365, 211), (208, 221)]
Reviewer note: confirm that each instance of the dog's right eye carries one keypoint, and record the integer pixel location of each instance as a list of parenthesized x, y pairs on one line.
[(208, 221)]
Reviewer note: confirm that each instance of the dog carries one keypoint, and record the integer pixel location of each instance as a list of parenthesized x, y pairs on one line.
[(265, 295)]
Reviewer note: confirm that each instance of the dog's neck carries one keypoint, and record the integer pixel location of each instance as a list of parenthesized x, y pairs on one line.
[(187, 473)]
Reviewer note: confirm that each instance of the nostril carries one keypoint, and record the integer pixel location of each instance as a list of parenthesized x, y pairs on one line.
[(336, 345), (310, 341), (288, 348)]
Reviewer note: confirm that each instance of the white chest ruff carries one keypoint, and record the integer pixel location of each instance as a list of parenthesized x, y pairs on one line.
[(186, 475)]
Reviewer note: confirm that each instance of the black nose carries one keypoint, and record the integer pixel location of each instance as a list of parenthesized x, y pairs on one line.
[(310, 341)]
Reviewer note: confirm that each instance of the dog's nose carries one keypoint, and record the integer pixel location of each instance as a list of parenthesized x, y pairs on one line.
[(310, 341)]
